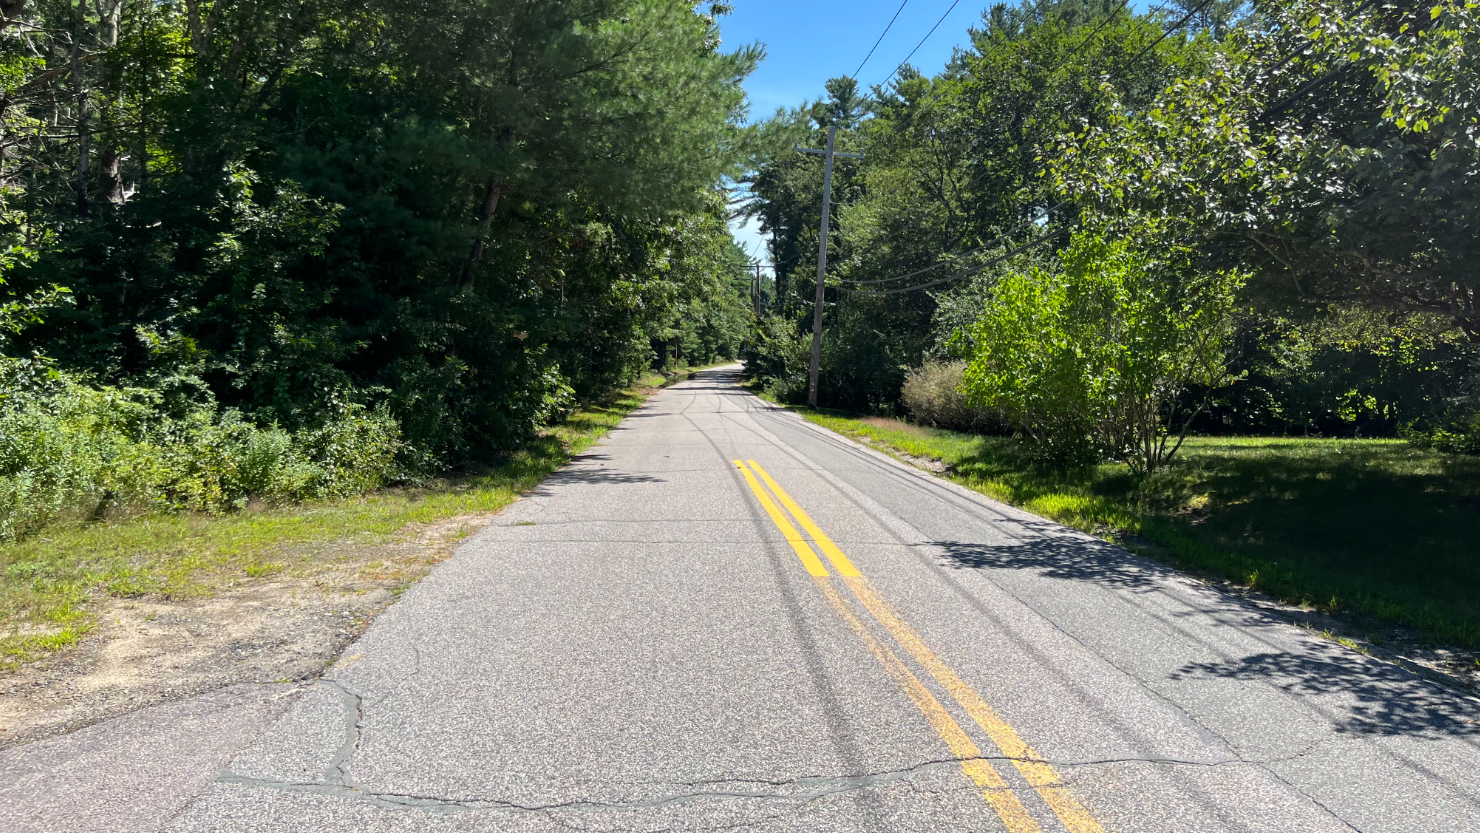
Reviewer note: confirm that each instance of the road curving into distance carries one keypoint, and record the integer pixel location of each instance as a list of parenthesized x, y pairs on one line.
[(724, 618)]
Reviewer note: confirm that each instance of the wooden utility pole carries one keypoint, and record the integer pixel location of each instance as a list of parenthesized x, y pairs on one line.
[(757, 289), (827, 166)]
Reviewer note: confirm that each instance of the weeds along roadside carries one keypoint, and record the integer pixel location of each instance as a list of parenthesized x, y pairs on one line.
[(50, 581)]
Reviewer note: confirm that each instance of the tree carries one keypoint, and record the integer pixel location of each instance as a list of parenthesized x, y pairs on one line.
[(1337, 150), (953, 162), (469, 211)]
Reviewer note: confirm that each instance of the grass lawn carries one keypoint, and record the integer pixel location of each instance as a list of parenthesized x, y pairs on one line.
[(49, 583), (1375, 527)]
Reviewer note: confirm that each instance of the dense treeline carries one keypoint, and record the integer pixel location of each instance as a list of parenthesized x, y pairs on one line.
[(423, 227), (1219, 217)]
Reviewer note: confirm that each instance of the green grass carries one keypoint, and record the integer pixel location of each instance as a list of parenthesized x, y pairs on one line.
[(50, 584), (1373, 527)]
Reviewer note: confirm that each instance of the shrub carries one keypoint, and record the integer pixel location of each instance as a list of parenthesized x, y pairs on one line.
[(933, 394), (777, 358), (1091, 359), (1459, 435), (70, 452)]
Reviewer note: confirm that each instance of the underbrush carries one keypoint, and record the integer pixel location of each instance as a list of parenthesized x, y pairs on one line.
[(1373, 527), (70, 451)]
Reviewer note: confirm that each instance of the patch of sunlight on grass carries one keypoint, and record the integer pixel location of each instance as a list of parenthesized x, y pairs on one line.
[(1377, 527)]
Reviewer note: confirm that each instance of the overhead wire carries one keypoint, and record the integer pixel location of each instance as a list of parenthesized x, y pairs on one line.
[(1041, 218), (1335, 72), (969, 252), (909, 119), (907, 58), (1091, 36), (880, 40), (936, 91), (970, 270)]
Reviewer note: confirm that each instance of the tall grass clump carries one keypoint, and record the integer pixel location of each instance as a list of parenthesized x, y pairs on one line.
[(932, 394)]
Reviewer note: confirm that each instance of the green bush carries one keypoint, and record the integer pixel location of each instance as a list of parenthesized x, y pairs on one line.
[(777, 358), (1460, 435), (933, 394), (1091, 359), (72, 452)]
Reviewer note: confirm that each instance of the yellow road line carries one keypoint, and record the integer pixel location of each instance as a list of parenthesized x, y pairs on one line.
[(996, 792), (1035, 770), (804, 552), (839, 561), (1039, 774)]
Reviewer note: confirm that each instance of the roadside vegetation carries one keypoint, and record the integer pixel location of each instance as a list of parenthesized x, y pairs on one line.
[(1377, 528), (1200, 279), (1119, 229), (51, 582), (292, 252)]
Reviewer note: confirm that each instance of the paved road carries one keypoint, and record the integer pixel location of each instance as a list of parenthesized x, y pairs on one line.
[(725, 618)]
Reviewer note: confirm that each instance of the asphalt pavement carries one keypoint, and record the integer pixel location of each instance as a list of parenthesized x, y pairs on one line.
[(724, 618)]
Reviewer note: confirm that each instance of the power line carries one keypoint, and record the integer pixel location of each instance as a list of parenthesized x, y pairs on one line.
[(922, 41), (1038, 9), (1091, 36), (935, 91), (1183, 22), (971, 270), (881, 39), (1119, 73), (1044, 238), (957, 258)]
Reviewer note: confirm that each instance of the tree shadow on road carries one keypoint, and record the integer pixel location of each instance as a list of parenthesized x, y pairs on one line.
[(1360, 695), (1060, 557), (592, 476)]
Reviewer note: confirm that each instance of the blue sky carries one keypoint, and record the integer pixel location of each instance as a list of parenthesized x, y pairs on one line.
[(810, 41)]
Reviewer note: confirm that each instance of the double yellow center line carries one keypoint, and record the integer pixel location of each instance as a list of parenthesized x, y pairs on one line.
[(1038, 773)]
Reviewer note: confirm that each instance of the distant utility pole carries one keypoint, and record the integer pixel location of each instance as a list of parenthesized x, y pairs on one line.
[(756, 289), (832, 134)]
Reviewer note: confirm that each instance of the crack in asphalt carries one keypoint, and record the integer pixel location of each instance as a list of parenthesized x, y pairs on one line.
[(811, 788), (338, 770)]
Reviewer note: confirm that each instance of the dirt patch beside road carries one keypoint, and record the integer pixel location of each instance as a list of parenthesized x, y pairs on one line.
[(290, 626)]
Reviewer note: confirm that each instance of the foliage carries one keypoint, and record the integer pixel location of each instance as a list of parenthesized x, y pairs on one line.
[(48, 580), (953, 162), (1328, 150), (777, 358), (714, 324), (933, 395), (1348, 371), (466, 214), (1460, 434), (1094, 358), (1336, 148), (72, 451)]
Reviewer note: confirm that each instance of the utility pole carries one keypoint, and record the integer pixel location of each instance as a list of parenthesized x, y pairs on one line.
[(827, 166), (755, 290)]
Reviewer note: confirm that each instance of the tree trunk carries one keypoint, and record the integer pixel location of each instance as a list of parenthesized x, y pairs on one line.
[(10, 12), (485, 221), (200, 30), (110, 159), (83, 116)]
